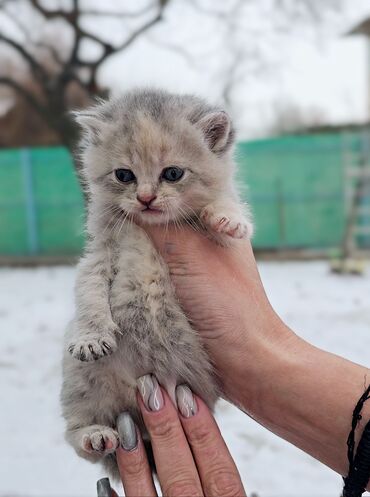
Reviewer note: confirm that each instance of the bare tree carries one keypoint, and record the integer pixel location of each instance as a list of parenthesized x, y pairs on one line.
[(252, 50), (250, 29), (289, 117), (56, 69)]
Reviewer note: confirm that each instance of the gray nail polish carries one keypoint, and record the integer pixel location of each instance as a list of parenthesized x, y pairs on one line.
[(103, 488), (186, 403), (127, 431), (150, 392)]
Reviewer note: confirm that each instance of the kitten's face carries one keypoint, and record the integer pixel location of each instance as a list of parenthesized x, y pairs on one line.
[(156, 173)]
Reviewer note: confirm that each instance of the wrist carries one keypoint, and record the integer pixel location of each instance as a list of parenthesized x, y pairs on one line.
[(258, 362)]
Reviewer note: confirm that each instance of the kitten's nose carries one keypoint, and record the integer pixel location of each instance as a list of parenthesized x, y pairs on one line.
[(146, 199)]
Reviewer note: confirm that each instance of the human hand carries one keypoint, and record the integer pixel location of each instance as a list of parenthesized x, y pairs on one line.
[(299, 392), (222, 294), (190, 454)]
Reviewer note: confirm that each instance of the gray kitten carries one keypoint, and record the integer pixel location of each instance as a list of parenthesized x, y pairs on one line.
[(156, 158)]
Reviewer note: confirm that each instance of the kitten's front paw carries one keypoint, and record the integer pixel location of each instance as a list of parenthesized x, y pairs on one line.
[(234, 226), (100, 442), (93, 349)]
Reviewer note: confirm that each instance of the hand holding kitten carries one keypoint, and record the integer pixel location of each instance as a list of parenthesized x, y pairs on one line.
[(221, 292)]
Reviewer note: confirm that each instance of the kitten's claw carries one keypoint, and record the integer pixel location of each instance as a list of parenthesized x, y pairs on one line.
[(102, 442), (107, 348), (235, 227), (92, 349)]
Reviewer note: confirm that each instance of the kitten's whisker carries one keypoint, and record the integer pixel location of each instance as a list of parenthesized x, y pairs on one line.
[(195, 219), (123, 222), (116, 224), (188, 219), (168, 214), (192, 211), (112, 221), (175, 223), (109, 210), (167, 210), (175, 220), (182, 217)]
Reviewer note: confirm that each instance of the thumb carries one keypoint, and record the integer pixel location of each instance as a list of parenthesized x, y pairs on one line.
[(175, 243)]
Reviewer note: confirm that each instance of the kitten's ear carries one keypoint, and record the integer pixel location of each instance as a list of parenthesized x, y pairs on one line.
[(90, 124), (218, 131)]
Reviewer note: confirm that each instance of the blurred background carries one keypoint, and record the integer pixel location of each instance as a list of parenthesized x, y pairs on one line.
[(295, 77)]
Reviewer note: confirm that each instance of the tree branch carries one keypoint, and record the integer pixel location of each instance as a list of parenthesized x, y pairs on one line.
[(36, 68), (176, 48), (216, 13), (39, 44), (52, 14), (117, 14), (52, 104), (138, 32), (109, 49), (73, 59), (6, 81)]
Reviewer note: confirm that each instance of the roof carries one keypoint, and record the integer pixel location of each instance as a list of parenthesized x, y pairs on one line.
[(361, 29)]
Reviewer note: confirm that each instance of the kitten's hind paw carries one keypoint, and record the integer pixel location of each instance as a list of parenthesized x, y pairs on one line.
[(103, 441), (92, 349), (234, 226)]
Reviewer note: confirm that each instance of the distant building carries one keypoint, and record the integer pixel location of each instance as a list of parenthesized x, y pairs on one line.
[(364, 29)]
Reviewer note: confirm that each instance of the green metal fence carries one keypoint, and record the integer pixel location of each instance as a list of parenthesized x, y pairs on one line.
[(41, 206), (296, 186), (296, 190)]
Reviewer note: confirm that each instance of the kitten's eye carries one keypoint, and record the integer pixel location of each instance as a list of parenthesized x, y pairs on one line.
[(124, 175), (172, 173)]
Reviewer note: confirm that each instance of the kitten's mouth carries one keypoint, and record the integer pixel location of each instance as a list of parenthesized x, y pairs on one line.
[(151, 210)]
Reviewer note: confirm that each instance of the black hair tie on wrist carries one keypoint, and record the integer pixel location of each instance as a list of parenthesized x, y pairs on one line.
[(359, 464)]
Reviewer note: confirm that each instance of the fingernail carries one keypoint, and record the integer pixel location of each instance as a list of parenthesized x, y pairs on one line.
[(150, 392), (186, 403), (127, 431), (103, 488)]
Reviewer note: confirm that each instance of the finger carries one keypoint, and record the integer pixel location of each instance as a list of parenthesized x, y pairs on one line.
[(185, 251), (132, 461), (216, 468), (104, 489), (175, 465), (172, 242), (188, 252)]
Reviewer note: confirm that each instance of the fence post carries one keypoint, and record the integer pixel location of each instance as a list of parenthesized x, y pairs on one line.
[(32, 232), (280, 204)]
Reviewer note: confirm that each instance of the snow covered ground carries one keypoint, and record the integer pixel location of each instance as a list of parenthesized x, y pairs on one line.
[(330, 311)]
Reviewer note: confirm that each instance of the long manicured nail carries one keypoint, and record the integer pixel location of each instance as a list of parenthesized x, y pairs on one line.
[(127, 431), (186, 403), (150, 392), (103, 488)]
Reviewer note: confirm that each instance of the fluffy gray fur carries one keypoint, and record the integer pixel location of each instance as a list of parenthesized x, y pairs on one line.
[(128, 321)]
